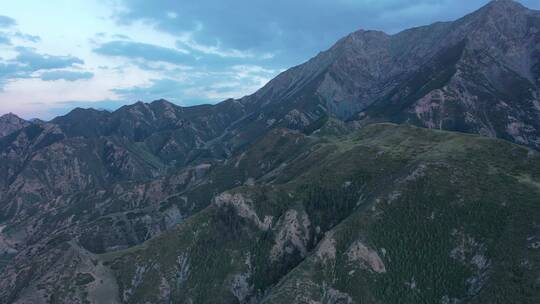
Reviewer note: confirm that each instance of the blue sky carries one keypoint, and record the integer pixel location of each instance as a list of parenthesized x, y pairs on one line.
[(60, 54)]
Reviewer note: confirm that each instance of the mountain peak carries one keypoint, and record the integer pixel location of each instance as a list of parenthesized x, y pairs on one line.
[(81, 116), (505, 3), (497, 23), (137, 107), (10, 116), (162, 104), (503, 7), (10, 123), (85, 111), (362, 37)]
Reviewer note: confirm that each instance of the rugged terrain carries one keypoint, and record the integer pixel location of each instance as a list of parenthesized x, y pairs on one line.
[(385, 213), (10, 123), (325, 186)]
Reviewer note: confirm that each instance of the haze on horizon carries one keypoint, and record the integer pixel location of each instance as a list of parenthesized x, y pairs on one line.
[(56, 55)]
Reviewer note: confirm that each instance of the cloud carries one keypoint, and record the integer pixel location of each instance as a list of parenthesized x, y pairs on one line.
[(4, 39), (121, 36), (196, 87), (33, 61), (291, 30), (28, 61), (188, 42), (158, 88), (187, 55), (6, 21), (296, 29), (11, 71), (27, 37), (143, 51), (185, 93), (65, 75)]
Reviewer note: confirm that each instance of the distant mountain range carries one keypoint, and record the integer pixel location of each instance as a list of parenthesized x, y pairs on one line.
[(347, 179)]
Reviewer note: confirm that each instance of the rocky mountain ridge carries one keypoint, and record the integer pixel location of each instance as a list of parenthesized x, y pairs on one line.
[(10, 123)]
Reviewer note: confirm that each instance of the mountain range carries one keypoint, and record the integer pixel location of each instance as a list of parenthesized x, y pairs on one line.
[(397, 168)]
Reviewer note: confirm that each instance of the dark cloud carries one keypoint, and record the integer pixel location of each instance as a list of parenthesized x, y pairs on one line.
[(33, 61), (152, 57), (295, 29), (6, 21), (11, 71), (65, 75), (148, 56), (144, 51)]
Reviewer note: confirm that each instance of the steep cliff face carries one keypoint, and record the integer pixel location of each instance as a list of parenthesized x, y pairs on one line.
[(478, 74), (485, 81)]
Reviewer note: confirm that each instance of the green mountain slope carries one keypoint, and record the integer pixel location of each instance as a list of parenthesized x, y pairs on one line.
[(389, 214)]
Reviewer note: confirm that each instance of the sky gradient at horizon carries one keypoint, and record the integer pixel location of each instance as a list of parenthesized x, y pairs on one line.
[(59, 54)]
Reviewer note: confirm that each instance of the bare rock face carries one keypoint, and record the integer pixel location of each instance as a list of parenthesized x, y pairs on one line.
[(360, 253), (10, 123), (478, 74)]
